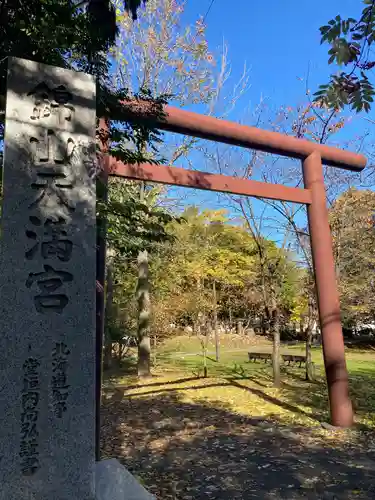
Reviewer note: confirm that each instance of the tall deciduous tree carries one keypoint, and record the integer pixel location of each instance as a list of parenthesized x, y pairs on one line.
[(136, 224), (353, 229), (307, 121), (207, 248), (161, 53), (158, 56)]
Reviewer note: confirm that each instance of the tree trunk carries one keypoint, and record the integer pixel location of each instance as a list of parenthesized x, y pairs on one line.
[(239, 327), (276, 348), (217, 340), (309, 365), (143, 298), (204, 351), (154, 349), (107, 355)]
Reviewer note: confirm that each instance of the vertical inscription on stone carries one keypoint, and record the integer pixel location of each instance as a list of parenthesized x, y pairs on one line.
[(59, 385), (51, 155), (47, 285), (29, 453)]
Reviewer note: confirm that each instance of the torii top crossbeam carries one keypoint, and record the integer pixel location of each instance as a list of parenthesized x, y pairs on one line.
[(207, 127)]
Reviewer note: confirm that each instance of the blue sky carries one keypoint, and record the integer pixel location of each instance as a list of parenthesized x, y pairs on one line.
[(280, 41)]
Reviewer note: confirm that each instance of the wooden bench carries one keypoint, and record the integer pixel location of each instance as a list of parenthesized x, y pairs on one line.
[(266, 356), (291, 358)]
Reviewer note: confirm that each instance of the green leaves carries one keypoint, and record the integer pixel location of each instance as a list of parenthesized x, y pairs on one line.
[(135, 224), (343, 52), (335, 28), (133, 5), (345, 89), (350, 41), (331, 31)]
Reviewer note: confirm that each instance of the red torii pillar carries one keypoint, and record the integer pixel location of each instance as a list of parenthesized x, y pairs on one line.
[(327, 294)]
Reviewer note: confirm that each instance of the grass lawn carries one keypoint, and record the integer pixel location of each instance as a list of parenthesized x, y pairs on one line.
[(233, 435)]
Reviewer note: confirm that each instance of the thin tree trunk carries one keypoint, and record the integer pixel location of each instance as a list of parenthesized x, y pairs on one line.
[(204, 351), (217, 340), (276, 347), (309, 365), (107, 355), (239, 327), (143, 298), (309, 370), (154, 349)]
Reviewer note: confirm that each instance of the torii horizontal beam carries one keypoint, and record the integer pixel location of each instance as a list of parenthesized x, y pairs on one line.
[(211, 182), (207, 127)]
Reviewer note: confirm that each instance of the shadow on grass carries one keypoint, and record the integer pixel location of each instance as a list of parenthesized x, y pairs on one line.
[(297, 395), (120, 392), (271, 399), (186, 451), (153, 384)]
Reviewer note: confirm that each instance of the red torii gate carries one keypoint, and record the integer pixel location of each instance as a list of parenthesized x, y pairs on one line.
[(313, 156)]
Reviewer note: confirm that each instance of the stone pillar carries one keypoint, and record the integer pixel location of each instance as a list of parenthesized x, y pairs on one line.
[(47, 285)]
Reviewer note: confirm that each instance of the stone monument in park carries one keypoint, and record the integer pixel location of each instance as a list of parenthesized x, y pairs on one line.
[(47, 292)]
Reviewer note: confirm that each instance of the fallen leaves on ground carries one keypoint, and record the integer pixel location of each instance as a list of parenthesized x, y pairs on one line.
[(233, 438)]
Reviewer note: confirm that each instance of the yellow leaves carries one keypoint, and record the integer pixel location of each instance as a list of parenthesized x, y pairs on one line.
[(335, 127), (299, 308)]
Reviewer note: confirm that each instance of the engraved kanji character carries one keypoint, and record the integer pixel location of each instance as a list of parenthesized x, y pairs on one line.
[(48, 282), (51, 183), (59, 395), (60, 349), (49, 148), (29, 416), (59, 364), (31, 366), (28, 447), (29, 431), (59, 355), (59, 402), (52, 103), (59, 409), (56, 245), (31, 379), (30, 400), (42, 102), (60, 106), (59, 381), (30, 383), (29, 465)]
